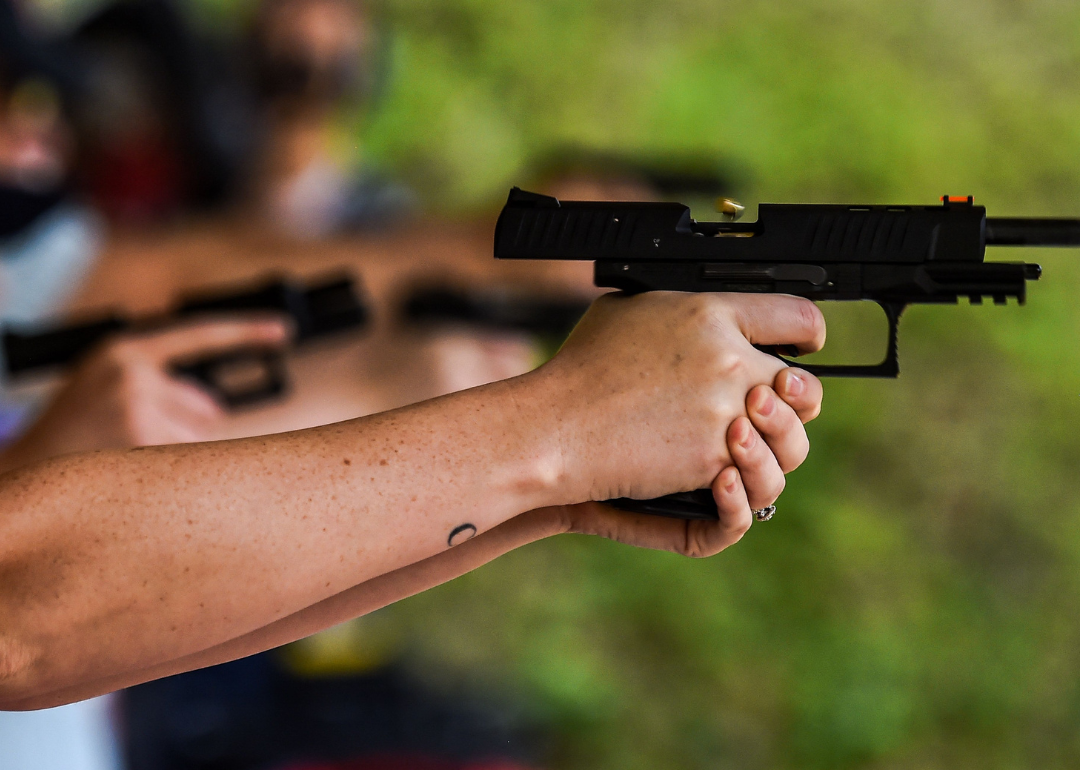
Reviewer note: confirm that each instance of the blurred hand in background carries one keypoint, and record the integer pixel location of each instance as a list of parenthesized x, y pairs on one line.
[(124, 394)]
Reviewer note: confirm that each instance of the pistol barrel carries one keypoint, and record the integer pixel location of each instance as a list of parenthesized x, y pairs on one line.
[(1032, 232)]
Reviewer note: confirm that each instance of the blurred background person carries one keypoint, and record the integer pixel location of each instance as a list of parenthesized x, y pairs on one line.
[(165, 121), (310, 61), (176, 121)]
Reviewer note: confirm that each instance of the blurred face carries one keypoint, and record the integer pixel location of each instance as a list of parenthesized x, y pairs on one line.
[(34, 138), (312, 48)]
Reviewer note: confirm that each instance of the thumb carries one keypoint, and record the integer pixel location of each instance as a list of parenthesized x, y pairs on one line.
[(779, 319), (214, 336)]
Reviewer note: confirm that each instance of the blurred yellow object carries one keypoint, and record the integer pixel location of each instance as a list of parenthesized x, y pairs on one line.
[(353, 647)]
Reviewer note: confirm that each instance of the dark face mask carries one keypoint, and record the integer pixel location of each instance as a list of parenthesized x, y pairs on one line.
[(19, 208)]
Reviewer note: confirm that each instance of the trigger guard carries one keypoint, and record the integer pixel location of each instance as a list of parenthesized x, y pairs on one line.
[(889, 368)]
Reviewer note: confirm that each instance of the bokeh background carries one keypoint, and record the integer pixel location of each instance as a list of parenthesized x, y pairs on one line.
[(914, 604), (916, 601)]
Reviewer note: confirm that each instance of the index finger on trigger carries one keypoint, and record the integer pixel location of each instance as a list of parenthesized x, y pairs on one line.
[(779, 319)]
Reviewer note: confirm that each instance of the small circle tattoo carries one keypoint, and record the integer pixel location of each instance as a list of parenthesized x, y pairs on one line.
[(460, 534)]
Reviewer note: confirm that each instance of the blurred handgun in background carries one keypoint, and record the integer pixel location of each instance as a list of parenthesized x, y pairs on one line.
[(547, 316), (237, 378)]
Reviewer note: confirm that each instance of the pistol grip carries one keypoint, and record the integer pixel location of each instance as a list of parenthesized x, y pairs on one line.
[(259, 370), (698, 504)]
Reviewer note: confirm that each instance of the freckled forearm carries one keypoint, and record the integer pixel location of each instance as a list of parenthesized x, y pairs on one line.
[(357, 600), (120, 560)]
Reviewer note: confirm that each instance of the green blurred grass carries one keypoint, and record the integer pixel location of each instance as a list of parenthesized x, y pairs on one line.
[(839, 100), (915, 603)]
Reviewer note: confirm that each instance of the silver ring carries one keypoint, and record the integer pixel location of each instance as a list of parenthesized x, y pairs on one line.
[(764, 514)]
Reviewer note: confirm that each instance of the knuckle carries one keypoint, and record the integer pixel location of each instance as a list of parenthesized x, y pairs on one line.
[(716, 314), (758, 399), (729, 364), (733, 533), (776, 487), (795, 456), (738, 530), (765, 489), (713, 419), (711, 303), (706, 460), (694, 545), (702, 310)]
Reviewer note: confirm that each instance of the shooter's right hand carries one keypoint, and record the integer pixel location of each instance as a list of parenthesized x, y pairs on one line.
[(650, 391)]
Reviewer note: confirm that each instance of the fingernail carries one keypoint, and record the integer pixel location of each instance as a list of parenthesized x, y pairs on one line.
[(767, 406), (733, 485), (748, 440), (795, 385)]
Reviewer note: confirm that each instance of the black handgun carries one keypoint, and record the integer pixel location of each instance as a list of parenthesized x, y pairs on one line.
[(238, 377), (892, 255), (499, 309)]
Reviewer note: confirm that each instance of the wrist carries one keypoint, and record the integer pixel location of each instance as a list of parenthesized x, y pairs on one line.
[(553, 467)]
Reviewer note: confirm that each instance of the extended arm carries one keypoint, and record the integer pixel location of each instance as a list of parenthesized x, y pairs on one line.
[(754, 465), (114, 564), (117, 560)]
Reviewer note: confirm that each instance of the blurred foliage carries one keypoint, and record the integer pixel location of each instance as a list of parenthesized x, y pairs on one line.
[(821, 100), (915, 603)]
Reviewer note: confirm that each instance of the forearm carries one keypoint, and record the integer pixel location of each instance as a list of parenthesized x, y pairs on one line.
[(354, 602), (118, 561), (122, 562)]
